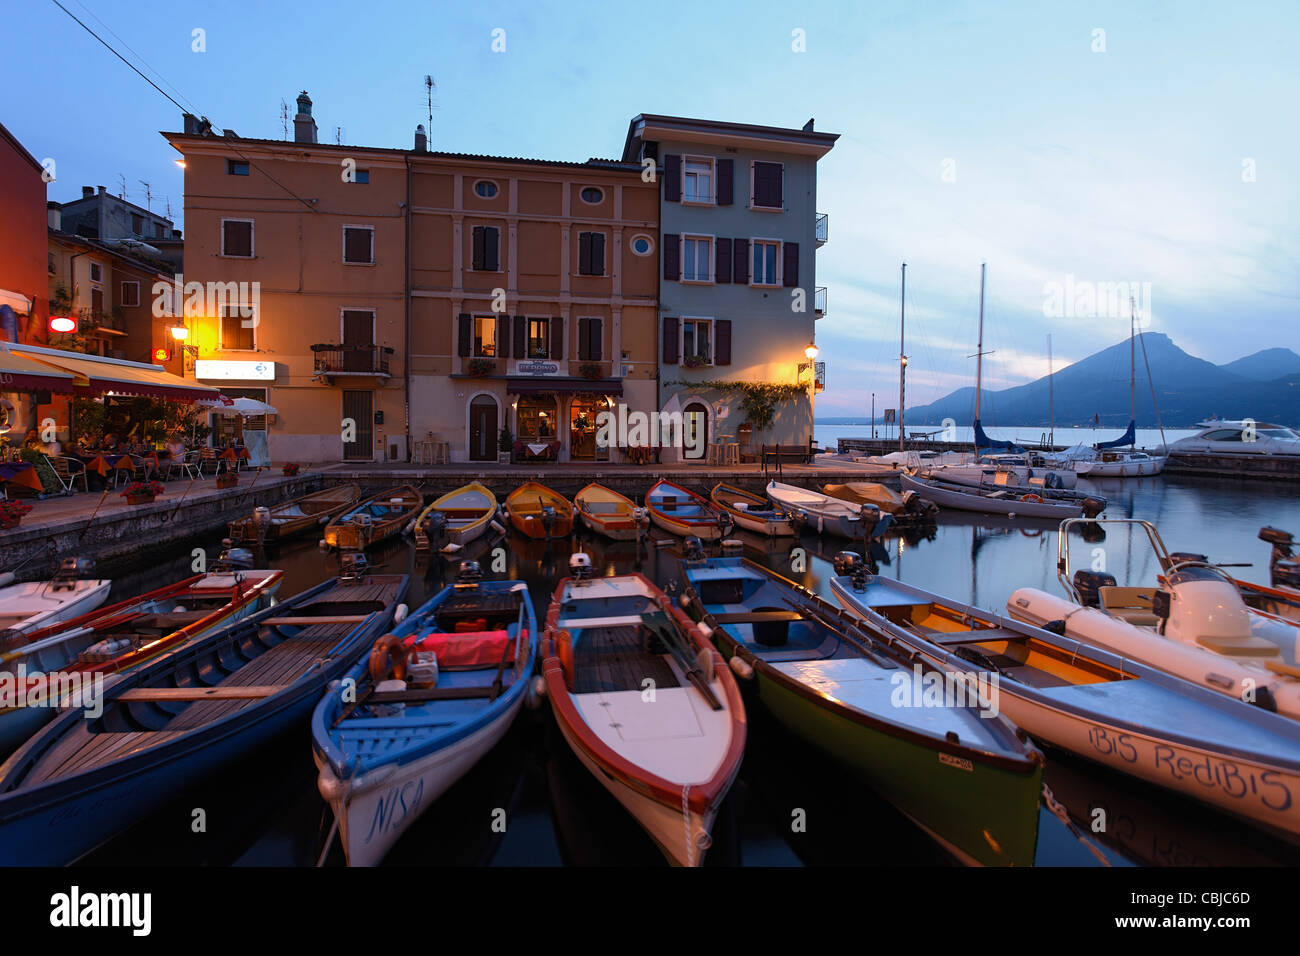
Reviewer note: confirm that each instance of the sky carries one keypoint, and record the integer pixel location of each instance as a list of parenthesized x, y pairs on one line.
[(1065, 145)]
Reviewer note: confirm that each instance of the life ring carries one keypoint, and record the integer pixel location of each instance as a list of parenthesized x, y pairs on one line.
[(1037, 498), (389, 656), (6, 416)]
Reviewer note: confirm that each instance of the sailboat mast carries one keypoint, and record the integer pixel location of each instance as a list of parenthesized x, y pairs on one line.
[(902, 354), (979, 365), (1051, 403), (1132, 373)]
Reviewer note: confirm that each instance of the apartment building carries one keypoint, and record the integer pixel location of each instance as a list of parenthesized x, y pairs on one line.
[(738, 299)]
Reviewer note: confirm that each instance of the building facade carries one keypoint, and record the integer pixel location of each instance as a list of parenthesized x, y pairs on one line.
[(23, 263), (100, 215), (738, 299)]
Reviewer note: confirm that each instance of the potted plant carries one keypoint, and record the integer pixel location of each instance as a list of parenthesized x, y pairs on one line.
[(505, 445), (11, 513), (142, 492), (478, 367), (695, 361), (589, 370), (227, 479), (290, 469)]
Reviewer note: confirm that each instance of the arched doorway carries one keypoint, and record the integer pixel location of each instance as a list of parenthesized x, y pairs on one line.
[(695, 431), (483, 428)]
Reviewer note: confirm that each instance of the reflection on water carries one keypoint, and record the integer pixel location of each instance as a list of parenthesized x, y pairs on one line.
[(266, 810)]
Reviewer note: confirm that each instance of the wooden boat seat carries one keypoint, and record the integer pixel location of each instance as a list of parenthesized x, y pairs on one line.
[(616, 658), (169, 621), (603, 507), (758, 617), (423, 695), (1280, 667), (219, 692), (979, 635), (1247, 646), (323, 619)]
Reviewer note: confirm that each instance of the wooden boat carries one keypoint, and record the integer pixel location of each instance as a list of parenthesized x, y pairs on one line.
[(1024, 473), (458, 517), (1113, 710), (822, 513), (957, 770), (752, 512), (173, 721), (374, 519), (903, 507), (34, 605), (1003, 501), (96, 647), (670, 763), (606, 512), (682, 512), (391, 745), (539, 512), (295, 516)]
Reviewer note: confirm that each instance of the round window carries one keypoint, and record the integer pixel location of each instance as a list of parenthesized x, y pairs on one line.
[(485, 188), (642, 245), (592, 195)]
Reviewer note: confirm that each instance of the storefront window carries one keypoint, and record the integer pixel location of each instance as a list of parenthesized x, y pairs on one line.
[(537, 418)]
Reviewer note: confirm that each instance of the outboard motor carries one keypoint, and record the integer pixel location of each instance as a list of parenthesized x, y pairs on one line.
[(469, 574), (548, 518), (261, 520), (70, 569), (353, 566), (1093, 506), (853, 566), (580, 568), (1286, 573), (724, 522), (1088, 585), (435, 526), (232, 558), (693, 550)]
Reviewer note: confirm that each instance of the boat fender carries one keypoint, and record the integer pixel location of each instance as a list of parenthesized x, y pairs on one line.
[(1265, 700), (706, 632), (399, 615), (450, 547), (536, 693), (497, 527), (332, 789), (323, 544), (684, 600), (741, 668)]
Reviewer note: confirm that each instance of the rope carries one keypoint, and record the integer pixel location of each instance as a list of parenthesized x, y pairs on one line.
[(329, 841), (686, 823), (1058, 810)]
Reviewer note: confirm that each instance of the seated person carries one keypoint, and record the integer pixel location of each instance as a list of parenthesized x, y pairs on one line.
[(175, 446), (109, 443)]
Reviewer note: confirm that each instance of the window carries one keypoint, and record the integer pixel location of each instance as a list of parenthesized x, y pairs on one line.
[(485, 336), (539, 338), (697, 341), (50, 256), (96, 272), (235, 167), (766, 185), (486, 256), (359, 176), (237, 329), (697, 259), (642, 245), (535, 418), (697, 180), (137, 224), (237, 238), (592, 195), (765, 259), (130, 296), (159, 231), (485, 189), (359, 245), (591, 253)]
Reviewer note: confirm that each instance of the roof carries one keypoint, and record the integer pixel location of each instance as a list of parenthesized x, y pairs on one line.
[(19, 148), (161, 266), (656, 126)]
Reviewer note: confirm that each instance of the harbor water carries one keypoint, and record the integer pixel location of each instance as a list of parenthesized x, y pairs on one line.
[(530, 802)]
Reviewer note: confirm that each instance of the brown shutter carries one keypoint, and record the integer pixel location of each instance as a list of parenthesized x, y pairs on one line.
[(726, 177), (672, 177), (491, 249), (584, 254), (465, 344), (672, 243), (790, 264), (740, 261), (584, 348), (722, 263), (357, 245), (722, 342), (503, 336), (476, 258), (594, 331), (557, 338), (670, 340), (521, 337), (598, 253)]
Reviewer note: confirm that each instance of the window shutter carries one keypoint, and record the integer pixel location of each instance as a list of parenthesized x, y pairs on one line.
[(521, 337), (670, 340), (476, 260), (557, 338), (357, 245), (491, 249), (503, 336), (466, 343), (790, 264), (584, 253), (726, 177), (672, 177), (598, 253), (740, 261), (584, 348), (594, 329), (722, 342), (722, 263), (672, 256)]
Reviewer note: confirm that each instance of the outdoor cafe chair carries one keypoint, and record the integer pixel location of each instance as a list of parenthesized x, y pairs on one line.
[(188, 465), (69, 471)]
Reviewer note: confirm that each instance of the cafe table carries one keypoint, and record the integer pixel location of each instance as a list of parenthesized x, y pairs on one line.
[(22, 473)]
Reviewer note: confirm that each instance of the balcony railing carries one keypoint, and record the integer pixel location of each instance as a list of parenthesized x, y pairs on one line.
[(351, 359), (819, 301), (823, 229)]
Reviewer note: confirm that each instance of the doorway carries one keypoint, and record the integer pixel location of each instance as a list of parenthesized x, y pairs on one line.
[(695, 432), (358, 406), (582, 429), (483, 428)]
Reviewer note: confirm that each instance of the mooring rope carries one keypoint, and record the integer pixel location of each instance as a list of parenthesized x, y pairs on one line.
[(1058, 810)]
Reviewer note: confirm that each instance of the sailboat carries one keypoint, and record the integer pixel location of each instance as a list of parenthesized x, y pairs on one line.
[(1131, 463)]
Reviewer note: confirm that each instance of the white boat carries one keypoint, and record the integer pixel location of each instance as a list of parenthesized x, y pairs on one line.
[(822, 513), (33, 605), (1020, 503), (1193, 625), (1032, 473), (1121, 464), (1240, 437), (1094, 703)]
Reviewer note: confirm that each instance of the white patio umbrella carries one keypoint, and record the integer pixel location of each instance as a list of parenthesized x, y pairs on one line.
[(246, 407)]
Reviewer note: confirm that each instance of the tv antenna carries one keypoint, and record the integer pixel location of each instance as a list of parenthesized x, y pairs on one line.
[(429, 87), (284, 117), (148, 196)]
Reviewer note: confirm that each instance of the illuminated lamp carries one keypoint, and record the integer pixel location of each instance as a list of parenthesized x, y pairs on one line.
[(62, 323), (162, 355)]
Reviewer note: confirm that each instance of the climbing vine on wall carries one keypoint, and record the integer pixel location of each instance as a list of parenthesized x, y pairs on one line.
[(758, 399)]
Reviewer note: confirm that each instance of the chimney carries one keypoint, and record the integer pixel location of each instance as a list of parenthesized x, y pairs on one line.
[(54, 216), (87, 191), (421, 140), (103, 190), (304, 127), (808, 126)]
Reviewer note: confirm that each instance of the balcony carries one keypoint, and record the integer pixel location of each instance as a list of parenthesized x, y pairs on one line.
[(823, 229), (350, 361), (819, 301)]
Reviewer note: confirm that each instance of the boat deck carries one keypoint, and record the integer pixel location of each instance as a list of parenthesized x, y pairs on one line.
[(614, 658)]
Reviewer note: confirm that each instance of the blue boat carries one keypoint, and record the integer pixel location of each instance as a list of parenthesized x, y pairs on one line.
[(95, 770), (433, 698)]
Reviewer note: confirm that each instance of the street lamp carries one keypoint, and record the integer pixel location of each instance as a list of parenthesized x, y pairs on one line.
[(812, 351)]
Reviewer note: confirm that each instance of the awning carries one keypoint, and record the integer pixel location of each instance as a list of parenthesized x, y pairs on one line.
[(563, 385), (16, 301), (97, 376), (19, 373)]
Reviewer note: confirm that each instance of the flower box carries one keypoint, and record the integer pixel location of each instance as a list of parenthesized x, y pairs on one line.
[(11, 514), (142, 492), (291, 469), (139, 499), (227, 480)]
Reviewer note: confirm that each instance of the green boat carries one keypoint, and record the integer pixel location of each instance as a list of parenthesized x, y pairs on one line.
[(932, 745)]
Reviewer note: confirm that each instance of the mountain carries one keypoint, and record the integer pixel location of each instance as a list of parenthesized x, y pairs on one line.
[(1266, 365), (1188, 389)]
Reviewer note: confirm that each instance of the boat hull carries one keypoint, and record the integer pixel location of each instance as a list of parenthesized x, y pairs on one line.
[(617, 529), (970, 501), (1120, 469), (49, 607), (704, 530)]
